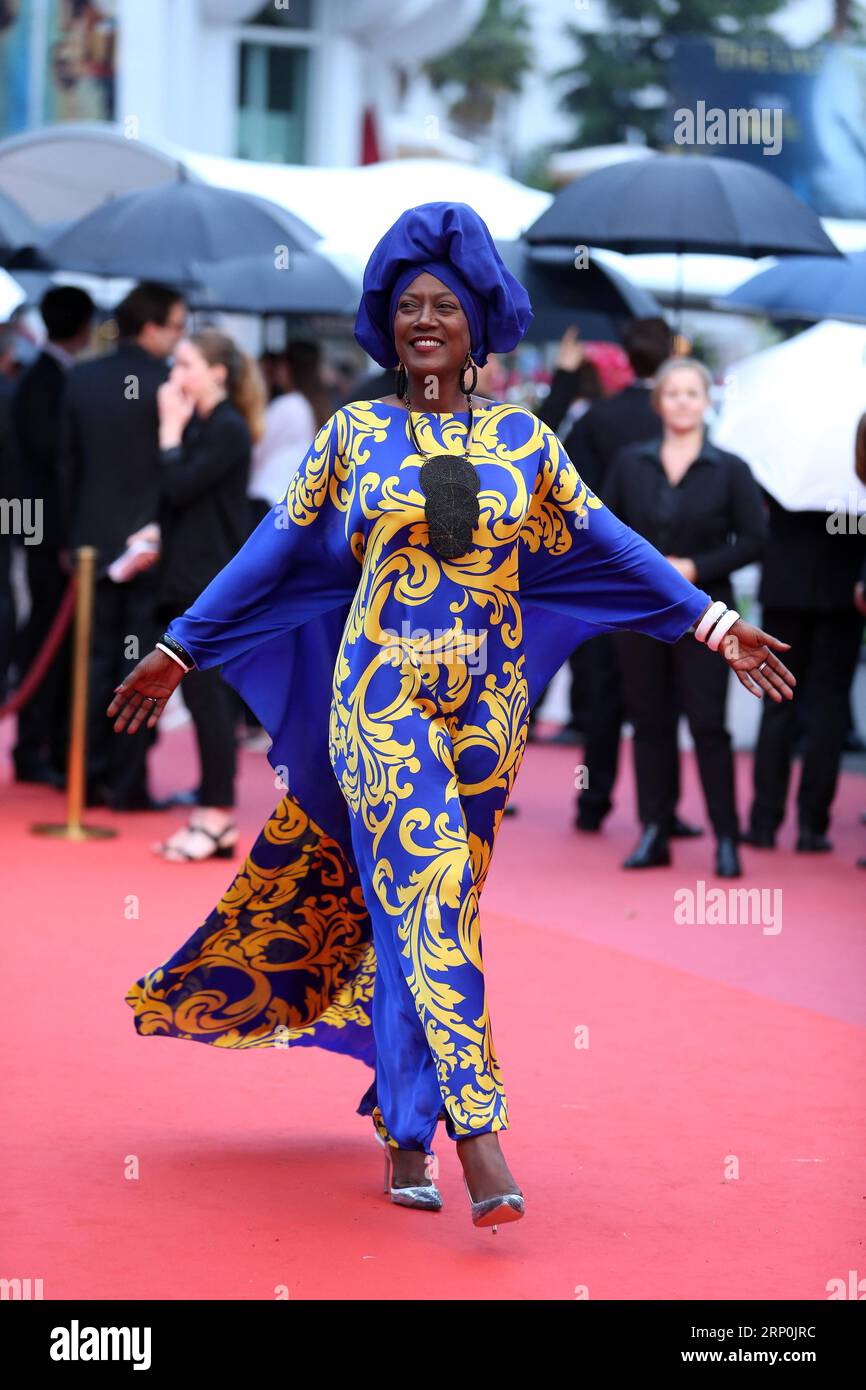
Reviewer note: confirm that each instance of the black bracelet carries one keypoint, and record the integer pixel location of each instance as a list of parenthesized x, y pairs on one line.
[(179, 651)]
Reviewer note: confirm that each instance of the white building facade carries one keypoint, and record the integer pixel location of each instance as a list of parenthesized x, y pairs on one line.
[(289, 81)]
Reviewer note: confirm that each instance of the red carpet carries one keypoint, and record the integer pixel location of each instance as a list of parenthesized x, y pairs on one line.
[(711, 1048)]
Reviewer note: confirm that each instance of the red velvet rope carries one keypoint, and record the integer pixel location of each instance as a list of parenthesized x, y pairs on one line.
[(46, 653)]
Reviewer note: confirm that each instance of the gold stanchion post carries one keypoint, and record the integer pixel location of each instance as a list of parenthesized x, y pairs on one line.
[(76, 774)]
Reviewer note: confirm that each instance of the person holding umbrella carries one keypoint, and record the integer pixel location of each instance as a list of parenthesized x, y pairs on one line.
[(435, 558), (809, 587), (702, 509)]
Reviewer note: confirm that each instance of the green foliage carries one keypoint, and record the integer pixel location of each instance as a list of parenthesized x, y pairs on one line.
[(493, 60), (533, 168), (617, 88), (847, 21)]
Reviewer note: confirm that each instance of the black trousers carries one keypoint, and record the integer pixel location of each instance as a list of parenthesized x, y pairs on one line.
[(580, 693), (823, 657), (213, 706), (43, 724), (659, 680), (603, 724), (7, 614), (124, 630)]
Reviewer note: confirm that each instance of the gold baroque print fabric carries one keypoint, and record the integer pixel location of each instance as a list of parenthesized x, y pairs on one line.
[(368, 940), (284, 957), (428, 727)]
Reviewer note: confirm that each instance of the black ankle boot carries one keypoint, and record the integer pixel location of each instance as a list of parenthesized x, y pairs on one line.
[(759, 837), (727, 858), (813, 842), (652, 850)]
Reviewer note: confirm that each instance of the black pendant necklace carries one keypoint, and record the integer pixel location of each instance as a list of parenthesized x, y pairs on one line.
[(450, 486)]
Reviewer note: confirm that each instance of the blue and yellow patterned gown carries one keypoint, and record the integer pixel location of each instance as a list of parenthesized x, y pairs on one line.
[(396, 687)]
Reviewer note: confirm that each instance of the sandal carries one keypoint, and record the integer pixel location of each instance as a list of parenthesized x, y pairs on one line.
[(174, 853)]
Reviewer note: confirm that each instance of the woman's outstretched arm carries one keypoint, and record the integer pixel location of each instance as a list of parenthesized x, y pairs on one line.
[(297, 565), (584, 562)]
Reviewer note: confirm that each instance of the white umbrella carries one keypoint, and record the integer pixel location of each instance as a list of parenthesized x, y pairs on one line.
[(791, 412), (12, 296), (353, 208), (66, 170)]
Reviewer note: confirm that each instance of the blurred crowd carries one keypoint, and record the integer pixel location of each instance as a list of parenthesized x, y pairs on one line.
[(646, 451), (165, 452)]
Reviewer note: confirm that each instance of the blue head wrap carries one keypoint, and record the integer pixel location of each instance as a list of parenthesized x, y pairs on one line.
[(453, 243)]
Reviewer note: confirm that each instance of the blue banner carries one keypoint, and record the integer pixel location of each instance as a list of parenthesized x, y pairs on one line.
[(808, 113)]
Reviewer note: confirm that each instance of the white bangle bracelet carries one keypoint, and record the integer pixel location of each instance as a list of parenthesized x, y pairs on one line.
[(712, 615), (714, 641), (174, 656)]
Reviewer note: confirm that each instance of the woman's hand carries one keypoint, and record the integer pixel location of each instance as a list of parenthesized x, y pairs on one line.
[(175, 409), (570, 354), (147, 542), (151, 534), (746, 649), (145, 692)]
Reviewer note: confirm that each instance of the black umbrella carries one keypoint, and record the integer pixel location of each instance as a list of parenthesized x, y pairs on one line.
[(673, 202), (166, 233), (805, 288), (307, 284), (595, 299)]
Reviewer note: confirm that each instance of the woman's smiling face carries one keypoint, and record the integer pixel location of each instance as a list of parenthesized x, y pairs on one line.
[(431, 332)]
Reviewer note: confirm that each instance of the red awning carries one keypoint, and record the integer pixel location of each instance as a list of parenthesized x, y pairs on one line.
[(371, 152)]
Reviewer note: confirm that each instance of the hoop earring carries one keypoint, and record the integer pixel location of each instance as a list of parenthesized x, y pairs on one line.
[(471, 388), (402, 383)]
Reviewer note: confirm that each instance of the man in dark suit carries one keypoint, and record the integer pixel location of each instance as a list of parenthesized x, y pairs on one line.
[(10, 488), (40, 751), (111, 474), (812, 563)]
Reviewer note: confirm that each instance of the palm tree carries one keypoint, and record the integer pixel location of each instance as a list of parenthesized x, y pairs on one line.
[(841, 18), (491, 63)]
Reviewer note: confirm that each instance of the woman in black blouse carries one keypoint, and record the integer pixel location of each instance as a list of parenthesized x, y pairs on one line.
[(211, 410), (701, 507)]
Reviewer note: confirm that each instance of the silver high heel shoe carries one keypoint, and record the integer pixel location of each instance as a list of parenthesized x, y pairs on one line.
[(425, 1196), (495, 1211)]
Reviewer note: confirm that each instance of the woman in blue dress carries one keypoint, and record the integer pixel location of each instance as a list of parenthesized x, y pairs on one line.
[(434, 561)]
